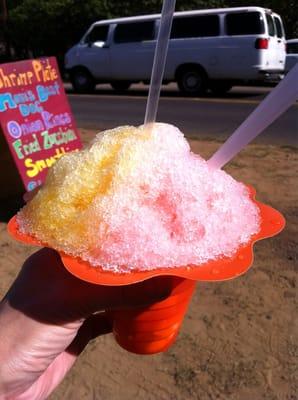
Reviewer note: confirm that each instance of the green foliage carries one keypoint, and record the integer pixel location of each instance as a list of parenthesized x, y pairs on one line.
[(50, 27)]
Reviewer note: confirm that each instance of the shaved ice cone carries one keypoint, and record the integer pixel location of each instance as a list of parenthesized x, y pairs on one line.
[(138, 205), (140, 200)]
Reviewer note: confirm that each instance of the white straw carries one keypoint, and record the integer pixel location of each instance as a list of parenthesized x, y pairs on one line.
[(159, 60), (276, 103)]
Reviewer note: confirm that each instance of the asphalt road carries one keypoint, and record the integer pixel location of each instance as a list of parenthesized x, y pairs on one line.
[(208, 117)]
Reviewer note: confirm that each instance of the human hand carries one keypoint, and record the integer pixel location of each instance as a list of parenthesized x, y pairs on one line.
[(47, 318)]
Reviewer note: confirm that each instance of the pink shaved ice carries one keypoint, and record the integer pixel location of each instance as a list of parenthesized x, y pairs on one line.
[(164, 206)]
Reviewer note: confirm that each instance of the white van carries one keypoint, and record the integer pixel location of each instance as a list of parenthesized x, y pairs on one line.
[(212, 49)]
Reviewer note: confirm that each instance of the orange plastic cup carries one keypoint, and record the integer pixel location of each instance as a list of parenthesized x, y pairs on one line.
[(153, 329)]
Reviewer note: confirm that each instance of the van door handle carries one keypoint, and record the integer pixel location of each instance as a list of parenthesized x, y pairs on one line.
[(278, 40)]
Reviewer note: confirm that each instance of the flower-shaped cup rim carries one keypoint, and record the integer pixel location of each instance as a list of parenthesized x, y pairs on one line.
[(272, 222)]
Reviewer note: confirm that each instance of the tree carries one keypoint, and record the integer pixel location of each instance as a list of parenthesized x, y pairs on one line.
[(50, 27)]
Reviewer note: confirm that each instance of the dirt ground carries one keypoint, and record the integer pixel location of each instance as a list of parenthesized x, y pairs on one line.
[(239, 338)]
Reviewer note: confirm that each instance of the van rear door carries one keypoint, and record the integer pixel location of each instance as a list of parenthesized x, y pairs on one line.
[(276, 47), (281, 41)]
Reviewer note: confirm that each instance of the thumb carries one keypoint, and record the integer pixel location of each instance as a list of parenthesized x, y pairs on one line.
[(92, 327)]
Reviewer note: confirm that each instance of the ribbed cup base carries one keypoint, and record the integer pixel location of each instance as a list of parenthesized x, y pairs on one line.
[(153, 329)]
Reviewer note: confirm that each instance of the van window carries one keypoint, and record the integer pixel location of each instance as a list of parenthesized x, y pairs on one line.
[(99, 33), (270, 23), (199, 26), (134, 32), (278, 26), (245, 23)]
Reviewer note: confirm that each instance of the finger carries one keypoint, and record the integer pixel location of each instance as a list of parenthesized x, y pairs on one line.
[(129, 296), (60, 297), (145, 293), (94, 326)]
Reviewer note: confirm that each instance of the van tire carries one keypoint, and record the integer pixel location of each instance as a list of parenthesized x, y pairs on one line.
[(192, 80), (120, 86), (220, 88), (82, 81)]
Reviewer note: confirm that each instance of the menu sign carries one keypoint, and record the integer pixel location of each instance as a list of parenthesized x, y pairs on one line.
[(35, 117)]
